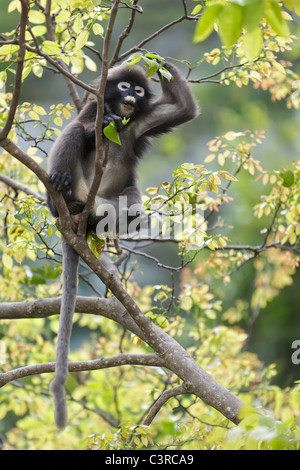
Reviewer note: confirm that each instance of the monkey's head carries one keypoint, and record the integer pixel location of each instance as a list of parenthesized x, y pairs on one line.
[(128, 91)]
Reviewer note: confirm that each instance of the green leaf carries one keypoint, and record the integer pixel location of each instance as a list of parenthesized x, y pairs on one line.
[(50, 47), (230, 23), (206, 23), (154, 56), (274, 17), (288, 178), (36, 17), (8, 49), (152, 70), (82, 39), (90, 64), (7, 261), (165, 73), (98, 29), (253, 14), (111, 133), (39, 30), (34, 116), (96, 244), (78, 24), (252, 44), (196, 9), (134, 59)]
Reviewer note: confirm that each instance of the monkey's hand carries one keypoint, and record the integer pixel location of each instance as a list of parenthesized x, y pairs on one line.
[(112, 117), (62, 182)]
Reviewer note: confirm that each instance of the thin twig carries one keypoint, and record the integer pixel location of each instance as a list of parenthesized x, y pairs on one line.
[(19, 70), (125, 33)]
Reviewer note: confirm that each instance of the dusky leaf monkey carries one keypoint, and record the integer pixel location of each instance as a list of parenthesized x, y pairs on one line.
[(71, 166)]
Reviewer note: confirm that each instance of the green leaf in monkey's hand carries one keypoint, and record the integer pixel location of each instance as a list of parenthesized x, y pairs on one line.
[(111, 133)]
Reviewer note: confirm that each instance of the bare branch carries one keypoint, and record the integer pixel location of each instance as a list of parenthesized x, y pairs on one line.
[(126, 32), (158, 32), (79, 366), (165, 396), (51, 34), (19, 71), (21, 187)]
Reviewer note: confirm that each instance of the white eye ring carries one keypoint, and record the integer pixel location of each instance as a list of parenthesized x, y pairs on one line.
[(123, 86), (139, 90)]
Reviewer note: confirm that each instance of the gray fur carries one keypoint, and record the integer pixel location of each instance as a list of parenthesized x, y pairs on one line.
[(70, 259)]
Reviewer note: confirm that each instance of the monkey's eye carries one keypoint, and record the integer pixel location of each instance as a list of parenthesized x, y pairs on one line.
[(123, 86), (139, 90)]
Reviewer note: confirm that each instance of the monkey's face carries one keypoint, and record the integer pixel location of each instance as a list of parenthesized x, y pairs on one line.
[(126, 98), (131, 95)]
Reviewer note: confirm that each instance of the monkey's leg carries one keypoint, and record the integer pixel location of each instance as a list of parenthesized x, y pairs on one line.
[(70, 269)]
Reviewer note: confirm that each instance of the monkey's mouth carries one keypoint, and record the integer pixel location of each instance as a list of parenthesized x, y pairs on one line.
[(127, 108), (128, 104)]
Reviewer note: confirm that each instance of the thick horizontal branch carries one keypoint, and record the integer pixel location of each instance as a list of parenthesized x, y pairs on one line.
[(110, 308)]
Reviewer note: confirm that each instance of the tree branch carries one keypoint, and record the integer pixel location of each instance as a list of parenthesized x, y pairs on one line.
[(80, 366), (21, 187), (157, 33), (19, 71), (165, 396), (172, 353), (51, 35), (126, 32)]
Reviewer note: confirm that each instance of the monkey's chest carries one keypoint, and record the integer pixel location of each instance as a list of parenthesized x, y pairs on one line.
[(114, 178)]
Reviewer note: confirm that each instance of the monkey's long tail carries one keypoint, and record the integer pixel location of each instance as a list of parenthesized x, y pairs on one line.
[(69, 292)]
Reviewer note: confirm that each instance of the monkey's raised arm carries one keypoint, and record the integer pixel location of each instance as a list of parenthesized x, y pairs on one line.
[(175, 106)]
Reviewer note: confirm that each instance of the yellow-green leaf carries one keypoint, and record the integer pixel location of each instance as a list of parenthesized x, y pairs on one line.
[(274, 17), (98, 29), (82, 39), (36, 17), (78, 24), (206, 23), (8, 49), (252, 44), (230, 24), (7, 261), (50, 47)]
